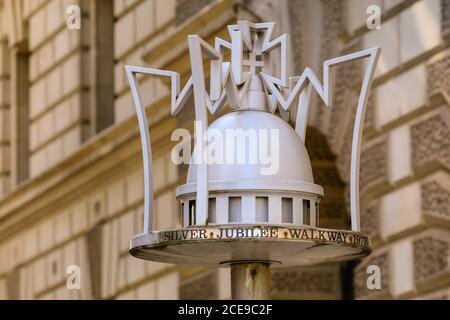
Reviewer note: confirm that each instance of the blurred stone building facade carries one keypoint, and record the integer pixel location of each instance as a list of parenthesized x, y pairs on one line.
[(70, 161)]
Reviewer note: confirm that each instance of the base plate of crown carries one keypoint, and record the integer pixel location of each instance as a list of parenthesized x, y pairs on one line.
[(252, 217), (223, 245)]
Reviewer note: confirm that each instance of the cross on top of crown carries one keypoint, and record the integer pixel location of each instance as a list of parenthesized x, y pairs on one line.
[(251, 47)]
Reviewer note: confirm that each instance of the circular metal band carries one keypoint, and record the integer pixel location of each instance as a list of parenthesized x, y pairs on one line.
[(221, 245), (254, 185)]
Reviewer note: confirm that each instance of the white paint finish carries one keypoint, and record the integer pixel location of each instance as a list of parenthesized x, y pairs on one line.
[(302, 111), (221, 209), (409, 90), (234, 209), (400, 210), (198, 47), (287, 211), (420, 28), (145, 141), (297, 210), (401, 268), (248, 213), (399, 154), (262, 209), (274, 209)]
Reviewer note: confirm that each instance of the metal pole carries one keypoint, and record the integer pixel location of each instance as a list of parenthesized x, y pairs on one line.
[(250, 281)]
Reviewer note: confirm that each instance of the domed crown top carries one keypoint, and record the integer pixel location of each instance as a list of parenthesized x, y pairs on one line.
[(273, 150)]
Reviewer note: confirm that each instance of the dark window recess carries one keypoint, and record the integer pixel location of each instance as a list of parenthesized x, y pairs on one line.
[(191, 212), (182, 214), (212, 210), (317, 214)]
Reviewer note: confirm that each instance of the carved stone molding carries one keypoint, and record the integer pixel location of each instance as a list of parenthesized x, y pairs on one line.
[(333, 25), (369, 120), (202, 286), (295, 24), (431, 257), (345, 98), (343, 112), (438, 74), (370, 223), (360, 280), (185, 9), (344, 154), (373, 165), (265, 10), (325, 173), (435, 199), (445, 16), (430, 141)]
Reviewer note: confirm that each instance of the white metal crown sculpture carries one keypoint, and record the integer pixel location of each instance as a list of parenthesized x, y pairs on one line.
[(233, 212)]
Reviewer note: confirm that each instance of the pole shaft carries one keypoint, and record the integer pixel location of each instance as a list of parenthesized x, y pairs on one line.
[(250, 281)]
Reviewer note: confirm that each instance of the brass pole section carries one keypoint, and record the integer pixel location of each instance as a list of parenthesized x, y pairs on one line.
[(250, 281)]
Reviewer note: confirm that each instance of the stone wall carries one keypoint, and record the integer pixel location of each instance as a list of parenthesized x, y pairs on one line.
[(55, 84), (405, 153), (5, 136)]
